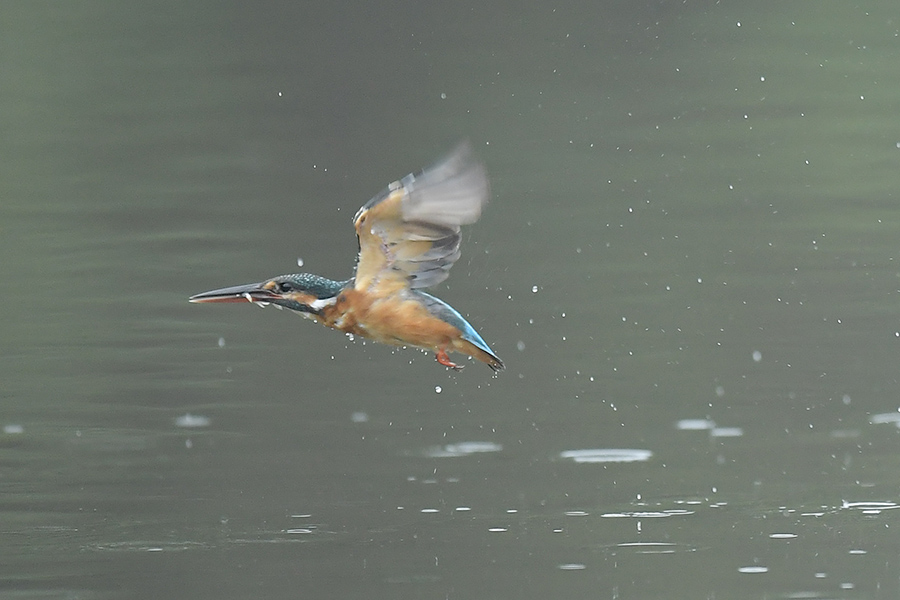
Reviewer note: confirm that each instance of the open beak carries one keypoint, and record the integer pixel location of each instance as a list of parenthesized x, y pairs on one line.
[(252, 292)]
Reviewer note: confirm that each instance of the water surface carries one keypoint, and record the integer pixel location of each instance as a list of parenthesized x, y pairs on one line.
[(688, 265)]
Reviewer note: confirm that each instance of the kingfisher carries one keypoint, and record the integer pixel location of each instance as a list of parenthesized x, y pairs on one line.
[(408, 237)]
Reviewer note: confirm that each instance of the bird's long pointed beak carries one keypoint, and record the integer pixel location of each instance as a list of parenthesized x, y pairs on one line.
[(251, 292)]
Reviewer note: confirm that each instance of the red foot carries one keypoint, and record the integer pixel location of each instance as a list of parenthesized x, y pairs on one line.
[(441, 357)]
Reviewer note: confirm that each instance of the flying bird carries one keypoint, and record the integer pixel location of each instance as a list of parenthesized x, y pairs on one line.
[(409, 237)]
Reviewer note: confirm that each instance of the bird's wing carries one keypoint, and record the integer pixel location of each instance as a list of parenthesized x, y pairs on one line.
[(409, 233)]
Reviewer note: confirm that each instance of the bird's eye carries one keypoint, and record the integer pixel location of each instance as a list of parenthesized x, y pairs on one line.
[(284, 287)]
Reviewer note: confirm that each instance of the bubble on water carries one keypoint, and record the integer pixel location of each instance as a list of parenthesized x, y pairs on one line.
[(722, 432), (461, 449), (757, 356), (607, 455), (438, 389), (695, 424), (520, 345), (534, 289), (753, 569), (190, 421), (299, 262), (221, 342)]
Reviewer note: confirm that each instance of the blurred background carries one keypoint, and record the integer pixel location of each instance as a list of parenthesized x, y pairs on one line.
[(689, 265)]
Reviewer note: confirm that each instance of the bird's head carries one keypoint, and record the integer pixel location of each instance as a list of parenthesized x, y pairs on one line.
[(301, 292)]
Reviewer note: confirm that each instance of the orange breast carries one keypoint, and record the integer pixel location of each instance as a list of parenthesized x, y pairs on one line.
[(396, 319)]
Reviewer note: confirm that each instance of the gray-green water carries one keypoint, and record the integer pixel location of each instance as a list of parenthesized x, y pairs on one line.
[(690, 253)]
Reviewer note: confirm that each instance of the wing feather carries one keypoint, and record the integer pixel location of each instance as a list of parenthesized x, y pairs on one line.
[(409, 234)]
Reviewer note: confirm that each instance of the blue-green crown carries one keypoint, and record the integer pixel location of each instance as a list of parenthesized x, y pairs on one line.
[(320, 287)]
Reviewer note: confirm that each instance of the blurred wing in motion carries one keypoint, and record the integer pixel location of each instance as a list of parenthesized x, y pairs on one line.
[(409, 233)]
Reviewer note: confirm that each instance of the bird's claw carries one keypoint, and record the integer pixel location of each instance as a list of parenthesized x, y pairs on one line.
[(442, 358)]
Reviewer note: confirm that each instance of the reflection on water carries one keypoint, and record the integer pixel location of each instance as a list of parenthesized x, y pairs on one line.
[(689, 258), (607, 455), (461, 449), (189, 421), (893, 417), (695, 424)]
